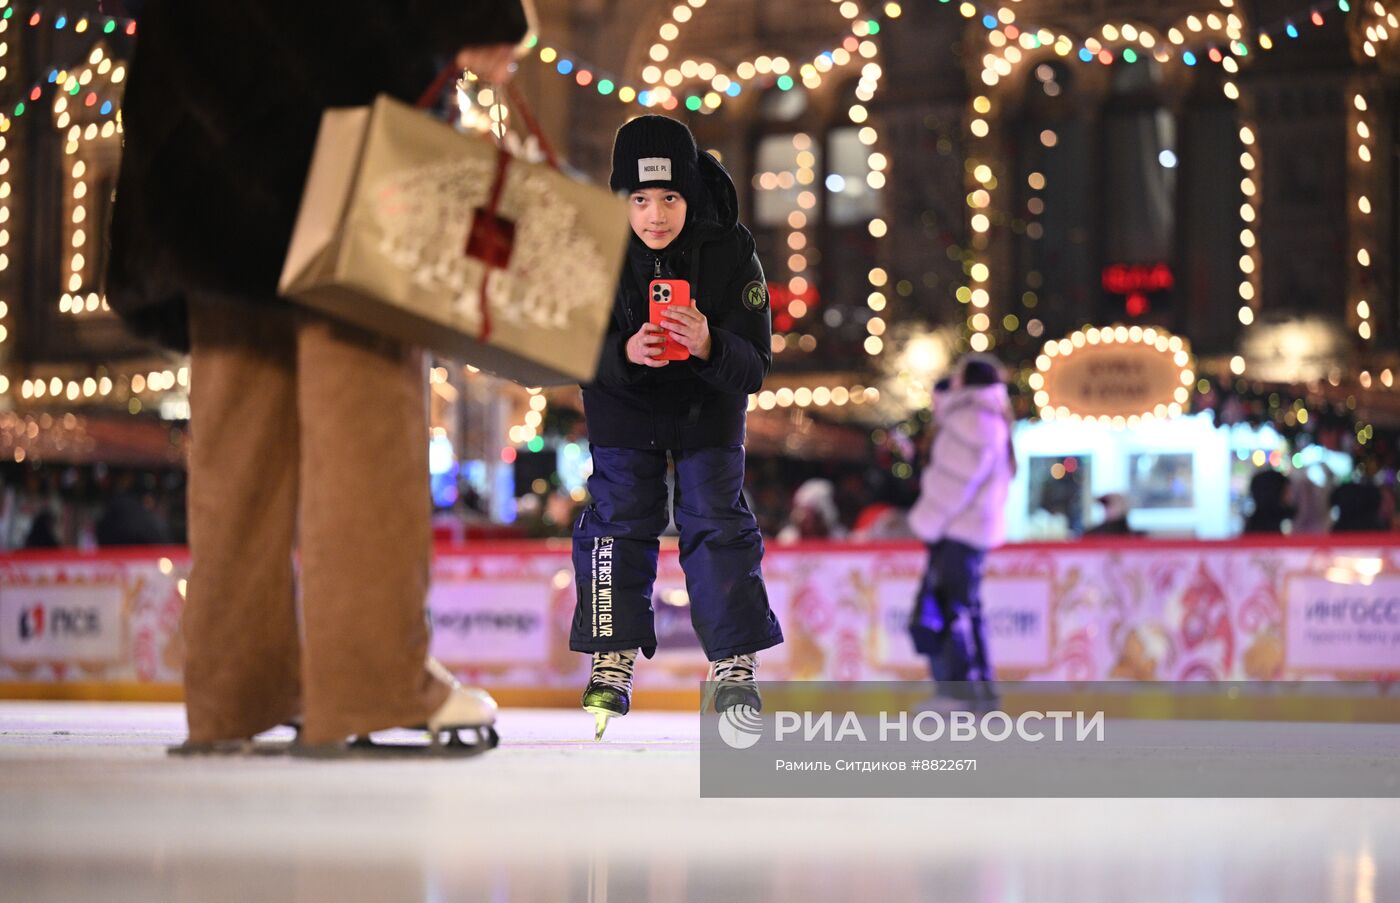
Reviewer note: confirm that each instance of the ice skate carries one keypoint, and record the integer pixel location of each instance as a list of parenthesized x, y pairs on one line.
[(464, 725), (609, 690), (731, 684), (466, 709)]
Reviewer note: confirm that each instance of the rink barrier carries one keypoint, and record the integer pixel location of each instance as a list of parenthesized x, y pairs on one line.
[(104, 625)]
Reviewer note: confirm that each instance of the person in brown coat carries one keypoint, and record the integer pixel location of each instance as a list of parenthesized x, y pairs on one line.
[(305, 432)]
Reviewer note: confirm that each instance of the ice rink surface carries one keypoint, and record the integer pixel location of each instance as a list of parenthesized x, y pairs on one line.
[(91, 808)]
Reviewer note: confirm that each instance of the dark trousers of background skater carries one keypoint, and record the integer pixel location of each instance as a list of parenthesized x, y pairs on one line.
[(946, 623)]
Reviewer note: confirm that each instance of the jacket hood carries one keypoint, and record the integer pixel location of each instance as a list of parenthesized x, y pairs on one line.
[(721, 208)]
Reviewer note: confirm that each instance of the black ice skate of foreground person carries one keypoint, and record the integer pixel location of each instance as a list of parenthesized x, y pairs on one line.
[(304, 431), (642, 410)]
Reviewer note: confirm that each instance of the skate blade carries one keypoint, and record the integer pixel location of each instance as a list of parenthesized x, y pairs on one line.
[(600, 720), (454, 747)]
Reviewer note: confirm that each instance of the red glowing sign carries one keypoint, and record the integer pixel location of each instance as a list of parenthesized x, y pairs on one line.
[(1136, 281), (1124, 279), (780, 297)]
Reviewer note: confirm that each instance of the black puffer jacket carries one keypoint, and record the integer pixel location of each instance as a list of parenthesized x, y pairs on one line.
[(693, 403), (220, 118)]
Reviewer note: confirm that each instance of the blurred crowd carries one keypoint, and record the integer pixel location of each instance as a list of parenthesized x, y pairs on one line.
[(90, 506), (1295, 504), (96, 506)]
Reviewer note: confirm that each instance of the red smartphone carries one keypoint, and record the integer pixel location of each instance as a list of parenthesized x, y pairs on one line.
[(667, 293)]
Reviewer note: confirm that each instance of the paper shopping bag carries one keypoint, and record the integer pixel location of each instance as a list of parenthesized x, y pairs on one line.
[(415, 231)]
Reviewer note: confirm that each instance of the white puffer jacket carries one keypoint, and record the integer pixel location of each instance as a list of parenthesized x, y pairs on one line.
[(962, 495)]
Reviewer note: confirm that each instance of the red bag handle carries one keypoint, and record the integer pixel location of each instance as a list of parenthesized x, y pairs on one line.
[(430, 95)]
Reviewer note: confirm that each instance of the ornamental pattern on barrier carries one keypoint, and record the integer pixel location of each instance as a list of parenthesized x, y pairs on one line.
[(1166, 613)]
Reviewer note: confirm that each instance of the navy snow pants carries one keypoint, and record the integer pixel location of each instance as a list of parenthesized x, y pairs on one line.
[(616, 543), (946, 623)]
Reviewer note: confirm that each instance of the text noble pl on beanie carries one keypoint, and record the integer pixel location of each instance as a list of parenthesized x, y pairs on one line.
[(656, 152)]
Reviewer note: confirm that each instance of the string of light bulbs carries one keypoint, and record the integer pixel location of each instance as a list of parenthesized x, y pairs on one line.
[(661, 87), (1363, 220), (6, 189)]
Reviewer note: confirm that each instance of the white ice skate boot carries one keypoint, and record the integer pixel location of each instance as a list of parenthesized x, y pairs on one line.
[(609, 690), (466, 708)]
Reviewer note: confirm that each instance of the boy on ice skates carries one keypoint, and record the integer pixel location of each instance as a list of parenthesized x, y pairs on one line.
[(643, 408)]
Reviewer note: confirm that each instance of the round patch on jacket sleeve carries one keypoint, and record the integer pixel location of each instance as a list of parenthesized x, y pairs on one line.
[(755, 296)]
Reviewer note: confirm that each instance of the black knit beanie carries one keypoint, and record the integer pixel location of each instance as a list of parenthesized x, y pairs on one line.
[(657, 152)]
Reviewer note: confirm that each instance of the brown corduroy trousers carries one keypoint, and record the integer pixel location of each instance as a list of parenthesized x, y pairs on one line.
[(310, 434)]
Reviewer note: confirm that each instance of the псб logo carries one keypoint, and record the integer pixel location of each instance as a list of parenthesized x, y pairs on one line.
[(31, 622), (57, 621)]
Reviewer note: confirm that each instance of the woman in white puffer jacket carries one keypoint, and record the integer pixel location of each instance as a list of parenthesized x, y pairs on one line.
[(961, 515)]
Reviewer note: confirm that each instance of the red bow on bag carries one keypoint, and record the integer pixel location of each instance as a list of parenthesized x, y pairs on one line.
[(492, 237)]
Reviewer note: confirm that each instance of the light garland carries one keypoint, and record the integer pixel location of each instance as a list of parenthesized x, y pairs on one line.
[(110, 24), (1190, 39), (70, 89), (1249, 213), (56, 387), (718, 86), (1362, 215), (1145, 338), (661, 82), (587, 75), (1009, 42), (82, 271), (797, 284), (813, 396), (1381, 27), (6, 189), (664, 88), (876, 179), (1250, 261), (99, 386), (981, 183)]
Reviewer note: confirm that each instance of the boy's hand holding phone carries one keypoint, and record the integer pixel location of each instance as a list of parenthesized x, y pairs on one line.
[(646, 346), (689, 328)]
